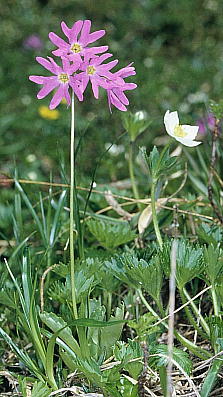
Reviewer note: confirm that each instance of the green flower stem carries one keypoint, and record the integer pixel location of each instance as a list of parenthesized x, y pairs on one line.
[(132, 176), (198, 351), (154, 213), (72, 179), (197, 313)]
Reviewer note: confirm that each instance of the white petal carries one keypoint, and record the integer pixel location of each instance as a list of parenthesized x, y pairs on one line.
[(191, 131), (171, 119), (187, 142)]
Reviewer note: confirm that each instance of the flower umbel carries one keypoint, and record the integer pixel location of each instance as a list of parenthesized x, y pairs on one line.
[(184, 134), (82, 64)]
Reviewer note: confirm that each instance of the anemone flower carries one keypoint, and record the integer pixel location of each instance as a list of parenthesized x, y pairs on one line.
[(184, 134), (62, 79), (77, 46)]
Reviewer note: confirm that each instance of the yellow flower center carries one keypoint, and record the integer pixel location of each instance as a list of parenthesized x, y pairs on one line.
[(63, 77), (91, 70), (76, 48), (178, 131)]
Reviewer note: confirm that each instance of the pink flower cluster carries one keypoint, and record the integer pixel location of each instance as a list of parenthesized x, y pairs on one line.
[(81, 64)]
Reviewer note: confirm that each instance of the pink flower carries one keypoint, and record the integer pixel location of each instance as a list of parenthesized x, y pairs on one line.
[(117, 87), (33, 42), (206, 123), (62, 79), (99, 74), (77, 47)]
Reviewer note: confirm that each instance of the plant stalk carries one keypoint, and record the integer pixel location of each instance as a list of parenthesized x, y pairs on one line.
[(154, 213), (72, 181), (132, 176)]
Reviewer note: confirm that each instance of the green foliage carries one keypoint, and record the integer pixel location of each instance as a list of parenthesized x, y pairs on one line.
[(217, 108), (137, 272), (189, 262), (135, 124), (160, 353), (144, 327), (160, 163), (110, 235), (213, 258)]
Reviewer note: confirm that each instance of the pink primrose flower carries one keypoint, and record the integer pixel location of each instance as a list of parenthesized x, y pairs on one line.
[(97, 73), (77, 46), (62, 79), (115, 91)]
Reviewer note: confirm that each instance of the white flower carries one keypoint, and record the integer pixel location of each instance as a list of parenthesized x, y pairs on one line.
[(185, 134)]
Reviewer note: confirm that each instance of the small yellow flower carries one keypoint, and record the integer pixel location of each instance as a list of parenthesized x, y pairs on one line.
[(46, 113)]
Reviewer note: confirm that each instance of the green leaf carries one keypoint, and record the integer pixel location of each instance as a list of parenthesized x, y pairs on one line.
[(40, 390), (25, 359), (189, 262), (56, 323), (110, 335), (110, 235), (138, 272), (181, 357), (213, 258)]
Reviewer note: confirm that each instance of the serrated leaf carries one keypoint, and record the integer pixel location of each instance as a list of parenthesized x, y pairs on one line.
[(189, 262), (181, 357), (213, 258), (110, 235), (40, 390)]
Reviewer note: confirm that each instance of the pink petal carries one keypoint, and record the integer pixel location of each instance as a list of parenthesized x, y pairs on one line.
[(95, 36), (95, 50), (66, 64), (107, 66), (67, 31), (94, 84), (78, 92), (58, 41), (85, 32), (47, 88), (59, 52), (98, 60), (37, 79), (75, 30), (57, 98), (115, 101), (129, 86), (74, 67), (66, 94), (75, 57), (57, 68), (121, 96), (46, 64)]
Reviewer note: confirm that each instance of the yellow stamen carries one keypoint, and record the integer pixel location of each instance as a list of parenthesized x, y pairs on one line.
[(91, 70), (178, 131), (63, 77), (76, 48)]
